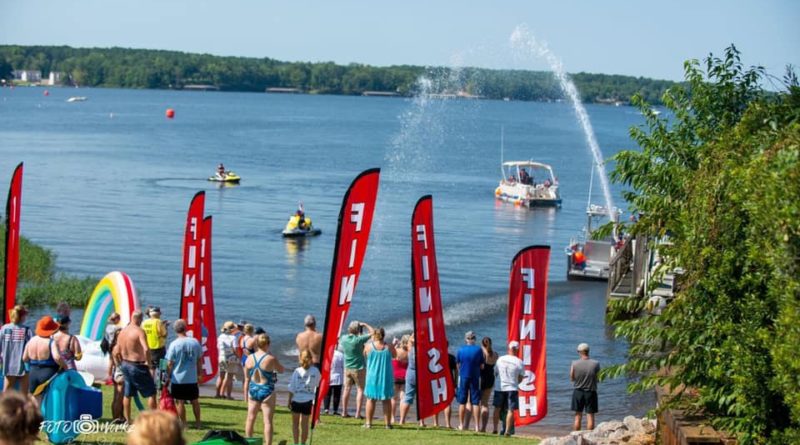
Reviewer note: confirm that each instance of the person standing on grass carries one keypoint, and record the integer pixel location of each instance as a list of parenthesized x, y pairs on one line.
[(13, 338), (380, 377), (260, 374), (67, 346), (115, 377), (247, 344), (229, 364), (583, 374), (354, 364), (508, 374), (134, 355), (470, 361), (487, 380), (310, 340), (155, 330), (410, 388), (184, 356), (302, 390), (400, 368), (337, 379), (112, 326), (40, 354)]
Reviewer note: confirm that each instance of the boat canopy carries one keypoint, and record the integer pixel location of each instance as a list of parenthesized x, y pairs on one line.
[(513, 169), (527, 164)]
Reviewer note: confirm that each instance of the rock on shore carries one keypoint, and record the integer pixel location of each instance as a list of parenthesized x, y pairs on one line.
[(631, 431)]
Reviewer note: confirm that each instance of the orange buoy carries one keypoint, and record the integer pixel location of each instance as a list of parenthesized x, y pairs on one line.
[(170, 113)]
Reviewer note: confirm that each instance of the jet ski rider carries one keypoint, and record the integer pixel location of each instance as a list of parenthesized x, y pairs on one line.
[(301, 217)]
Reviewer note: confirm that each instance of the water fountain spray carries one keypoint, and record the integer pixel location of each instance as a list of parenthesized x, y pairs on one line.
[(523, 40)]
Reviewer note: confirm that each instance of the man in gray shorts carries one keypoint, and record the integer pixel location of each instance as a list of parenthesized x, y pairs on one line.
[(583, 374)]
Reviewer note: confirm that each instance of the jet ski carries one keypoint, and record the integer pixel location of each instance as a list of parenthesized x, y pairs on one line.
[(228, 176), (300, 225)]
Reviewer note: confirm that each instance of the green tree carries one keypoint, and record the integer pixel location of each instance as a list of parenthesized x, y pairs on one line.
[(5, 69), (721, 179)]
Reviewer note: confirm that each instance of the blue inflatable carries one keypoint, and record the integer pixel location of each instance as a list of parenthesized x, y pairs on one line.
[(70, 407)]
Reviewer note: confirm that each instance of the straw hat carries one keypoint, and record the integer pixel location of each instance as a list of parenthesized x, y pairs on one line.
[(228, 326), (46, 326)]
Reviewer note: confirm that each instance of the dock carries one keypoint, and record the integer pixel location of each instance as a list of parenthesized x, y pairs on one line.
[(638, 271)]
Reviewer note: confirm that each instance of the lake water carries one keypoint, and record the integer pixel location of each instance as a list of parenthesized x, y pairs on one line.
[(108, 182)]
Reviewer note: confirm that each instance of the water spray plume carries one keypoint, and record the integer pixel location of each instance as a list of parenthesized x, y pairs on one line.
[(522, 40)]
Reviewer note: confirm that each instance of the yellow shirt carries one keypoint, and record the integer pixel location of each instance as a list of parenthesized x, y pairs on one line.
[(154, 340)]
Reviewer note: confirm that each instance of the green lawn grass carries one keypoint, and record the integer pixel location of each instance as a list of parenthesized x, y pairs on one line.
[(333, 430)]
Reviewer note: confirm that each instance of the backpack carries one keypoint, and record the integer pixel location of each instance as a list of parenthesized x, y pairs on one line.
[(104, 345)]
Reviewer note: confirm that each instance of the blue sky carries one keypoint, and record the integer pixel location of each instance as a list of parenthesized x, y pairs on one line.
[(641, 38)]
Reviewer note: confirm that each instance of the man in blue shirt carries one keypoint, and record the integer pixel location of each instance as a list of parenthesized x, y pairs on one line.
[(470, 361), (184, 355)]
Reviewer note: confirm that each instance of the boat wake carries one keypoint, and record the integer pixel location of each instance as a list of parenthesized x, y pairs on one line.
[(474, 309)]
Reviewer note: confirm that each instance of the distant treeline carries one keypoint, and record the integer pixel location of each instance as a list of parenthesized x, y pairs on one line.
[(156, 69)]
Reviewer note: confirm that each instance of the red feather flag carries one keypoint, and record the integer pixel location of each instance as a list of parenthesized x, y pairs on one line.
[(527, 308), (13, 209), (352, 235), (434, 388), (190, 286), (207, 316)]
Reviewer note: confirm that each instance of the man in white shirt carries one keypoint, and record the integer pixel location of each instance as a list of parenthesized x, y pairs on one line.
[(508, 372)]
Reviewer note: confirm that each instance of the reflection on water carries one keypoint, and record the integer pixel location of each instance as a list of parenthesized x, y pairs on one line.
[(295, 248)]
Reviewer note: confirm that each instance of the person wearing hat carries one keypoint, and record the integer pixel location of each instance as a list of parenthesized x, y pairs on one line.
[(155, 330), (13, 338), (40, 353), (583, 374), (469, 360), (185, 356), (508, 372), (229, 360)]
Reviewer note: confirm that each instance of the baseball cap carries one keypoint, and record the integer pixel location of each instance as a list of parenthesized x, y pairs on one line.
[(513, 344), (470, 335), (154, 309), (583, 347)]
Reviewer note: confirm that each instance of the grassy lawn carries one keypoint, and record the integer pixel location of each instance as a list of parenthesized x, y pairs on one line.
[(230, 415)]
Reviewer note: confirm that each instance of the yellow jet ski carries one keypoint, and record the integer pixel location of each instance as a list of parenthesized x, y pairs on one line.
[(299, 225), (228, 177)]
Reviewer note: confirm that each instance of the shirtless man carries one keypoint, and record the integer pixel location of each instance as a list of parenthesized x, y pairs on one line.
[(134, 355), (312, 340)]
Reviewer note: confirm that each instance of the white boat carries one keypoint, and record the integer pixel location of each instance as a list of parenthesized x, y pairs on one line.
[(588, 258), (77, 99), (529, 184)]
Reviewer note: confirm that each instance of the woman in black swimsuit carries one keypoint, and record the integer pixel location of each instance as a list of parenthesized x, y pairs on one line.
[(487, 380)]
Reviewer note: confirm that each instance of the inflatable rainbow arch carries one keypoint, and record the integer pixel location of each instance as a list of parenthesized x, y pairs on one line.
[(114, 293)]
